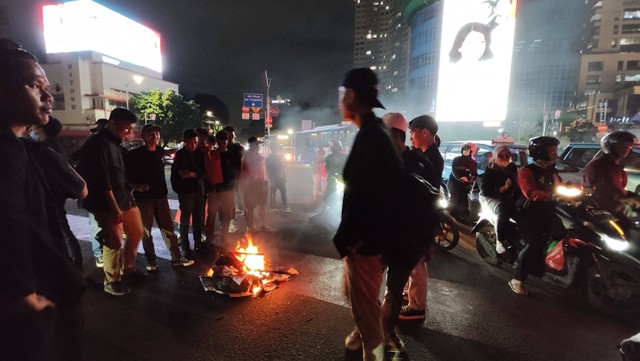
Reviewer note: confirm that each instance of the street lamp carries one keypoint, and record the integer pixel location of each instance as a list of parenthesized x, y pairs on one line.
[(138, 80)]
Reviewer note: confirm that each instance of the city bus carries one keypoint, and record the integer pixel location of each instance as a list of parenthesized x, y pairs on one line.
[(307, 142)]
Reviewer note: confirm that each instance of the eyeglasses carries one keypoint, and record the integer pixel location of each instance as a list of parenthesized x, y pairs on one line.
[(504, 156)]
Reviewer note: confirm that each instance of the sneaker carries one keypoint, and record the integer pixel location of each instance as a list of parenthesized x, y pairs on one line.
[(99, 262), (266, 229), (408, 313), (288, 210), (353, 341), (518, 287), (500, 248), (116, 288), (273, 210), (182, 262), (152, 266), (134, 276)]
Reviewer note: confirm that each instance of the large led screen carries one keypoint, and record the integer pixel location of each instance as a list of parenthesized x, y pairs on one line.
[(475, 60), (85, 25)]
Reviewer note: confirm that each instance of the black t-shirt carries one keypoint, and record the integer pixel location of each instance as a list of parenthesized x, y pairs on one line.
[(229, 173), (147, 167), (102, 167)]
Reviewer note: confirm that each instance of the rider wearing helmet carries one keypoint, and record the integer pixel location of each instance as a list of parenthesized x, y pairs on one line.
[(536, 209), (607, 177), (464, 170)]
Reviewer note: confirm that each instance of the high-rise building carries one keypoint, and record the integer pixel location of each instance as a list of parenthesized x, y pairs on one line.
[(425, 24), (546, 62), (610, 68), (381, 42)]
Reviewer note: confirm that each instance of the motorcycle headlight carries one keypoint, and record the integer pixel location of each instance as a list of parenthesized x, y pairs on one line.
[(443, 203), (568, 191), (615, 244), (339, 186)]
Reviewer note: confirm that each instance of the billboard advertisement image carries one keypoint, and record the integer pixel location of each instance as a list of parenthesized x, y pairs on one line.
[(88, 26), (475, 60)]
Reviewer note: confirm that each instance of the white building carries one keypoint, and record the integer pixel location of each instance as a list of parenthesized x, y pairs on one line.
[(87, 85)]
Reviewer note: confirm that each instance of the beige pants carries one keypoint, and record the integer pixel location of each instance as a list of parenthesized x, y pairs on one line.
[(363, 276), (131, 225)]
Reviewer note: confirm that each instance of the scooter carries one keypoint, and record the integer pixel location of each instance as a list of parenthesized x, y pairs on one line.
[(447, 232), (597, 249)]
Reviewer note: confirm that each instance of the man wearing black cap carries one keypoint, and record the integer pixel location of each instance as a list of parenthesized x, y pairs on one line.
[(367, 210), (102, 166), (145, 170), (423, 132)]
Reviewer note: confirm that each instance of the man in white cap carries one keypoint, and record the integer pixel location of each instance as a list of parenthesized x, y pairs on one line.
[(411, 253)]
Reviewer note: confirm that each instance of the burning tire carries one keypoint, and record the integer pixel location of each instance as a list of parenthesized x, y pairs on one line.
[(486, 245), (620, 296), (448, 234)]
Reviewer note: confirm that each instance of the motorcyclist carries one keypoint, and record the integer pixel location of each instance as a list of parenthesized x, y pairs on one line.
[(464, 170), (497, 188), (536, 210), (607, 178)]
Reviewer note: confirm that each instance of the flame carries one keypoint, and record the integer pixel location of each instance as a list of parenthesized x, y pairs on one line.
[(251, 258)]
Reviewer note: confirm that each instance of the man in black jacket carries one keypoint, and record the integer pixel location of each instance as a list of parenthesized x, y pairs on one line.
[(109, 200), (40, 311), (423, 138), (372, 178), (187, 179), (145, 170), (411, 252)]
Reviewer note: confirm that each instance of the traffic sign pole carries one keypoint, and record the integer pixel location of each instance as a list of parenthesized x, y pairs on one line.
[(266, 116)]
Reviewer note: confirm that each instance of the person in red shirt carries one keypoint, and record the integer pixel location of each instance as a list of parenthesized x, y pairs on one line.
[(536, 209), (606, 175)]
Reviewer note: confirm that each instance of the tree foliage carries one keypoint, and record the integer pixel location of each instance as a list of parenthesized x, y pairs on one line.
[(171, 112)]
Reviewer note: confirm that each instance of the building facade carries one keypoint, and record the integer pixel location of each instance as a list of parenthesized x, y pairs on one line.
[(610, 67), (87, 85), (426, 25), (381, 42)]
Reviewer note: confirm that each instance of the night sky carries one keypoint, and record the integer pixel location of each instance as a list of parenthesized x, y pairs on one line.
[(222, 47)]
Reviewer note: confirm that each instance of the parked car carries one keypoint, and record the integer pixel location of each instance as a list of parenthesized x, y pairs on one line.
[(169, 154), (579, 154)]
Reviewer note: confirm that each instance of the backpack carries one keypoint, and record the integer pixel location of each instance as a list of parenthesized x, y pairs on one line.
[(421, 214)]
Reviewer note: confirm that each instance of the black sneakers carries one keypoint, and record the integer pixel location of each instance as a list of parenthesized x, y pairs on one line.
[(407, 313)]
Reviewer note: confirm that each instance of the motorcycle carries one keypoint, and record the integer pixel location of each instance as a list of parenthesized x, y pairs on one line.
[(447, 232), (597, 249)]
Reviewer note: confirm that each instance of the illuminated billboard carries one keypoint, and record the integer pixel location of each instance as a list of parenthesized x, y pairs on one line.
[(475, 60), (85, 25)]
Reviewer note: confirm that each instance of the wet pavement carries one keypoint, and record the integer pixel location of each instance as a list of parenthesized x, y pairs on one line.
[(472, 314)]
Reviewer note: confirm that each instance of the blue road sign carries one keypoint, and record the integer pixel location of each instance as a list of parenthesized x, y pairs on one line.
[(252, 100)]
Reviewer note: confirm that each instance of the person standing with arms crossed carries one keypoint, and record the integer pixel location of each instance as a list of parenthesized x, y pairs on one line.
[(145, 169)]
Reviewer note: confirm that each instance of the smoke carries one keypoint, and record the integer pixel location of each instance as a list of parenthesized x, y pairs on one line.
[(291, 118)]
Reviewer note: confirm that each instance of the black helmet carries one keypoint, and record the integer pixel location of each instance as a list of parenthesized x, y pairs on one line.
[(614, 143), (465, 146), (538, 147)]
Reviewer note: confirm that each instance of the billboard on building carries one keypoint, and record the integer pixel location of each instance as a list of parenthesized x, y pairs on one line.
[(475, 60), (85, 25)]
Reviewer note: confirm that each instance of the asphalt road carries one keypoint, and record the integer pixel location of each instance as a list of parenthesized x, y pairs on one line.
[(472, 314)]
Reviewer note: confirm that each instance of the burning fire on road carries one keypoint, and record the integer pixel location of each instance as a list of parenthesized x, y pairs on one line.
[(243, 272)]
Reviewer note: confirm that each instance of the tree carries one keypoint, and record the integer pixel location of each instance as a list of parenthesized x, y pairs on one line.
[(170, 110)]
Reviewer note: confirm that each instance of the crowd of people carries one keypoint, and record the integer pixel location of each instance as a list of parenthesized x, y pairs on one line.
[(370, 240), (124, 192)]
